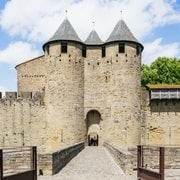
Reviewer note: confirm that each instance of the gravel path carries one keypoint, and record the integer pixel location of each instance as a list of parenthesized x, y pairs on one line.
[(93, 163)]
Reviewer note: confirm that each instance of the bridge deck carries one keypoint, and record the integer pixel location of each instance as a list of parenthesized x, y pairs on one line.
[(91, 163)]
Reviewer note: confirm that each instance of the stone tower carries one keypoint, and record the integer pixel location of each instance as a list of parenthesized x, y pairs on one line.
[(91, 88), (64, 87), (112, 86)]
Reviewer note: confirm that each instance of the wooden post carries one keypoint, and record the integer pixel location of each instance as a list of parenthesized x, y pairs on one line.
[(34, 162), (97, 140), (161, 162), (139, 158), (89, 140), (1, 164)]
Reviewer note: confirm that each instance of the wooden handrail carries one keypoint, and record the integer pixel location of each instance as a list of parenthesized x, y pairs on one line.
[(149, 174)]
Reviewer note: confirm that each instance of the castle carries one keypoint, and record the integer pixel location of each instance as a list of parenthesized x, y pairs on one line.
[(80, 90)]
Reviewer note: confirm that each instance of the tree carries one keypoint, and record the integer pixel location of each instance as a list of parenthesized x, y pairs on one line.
[(162, 71)]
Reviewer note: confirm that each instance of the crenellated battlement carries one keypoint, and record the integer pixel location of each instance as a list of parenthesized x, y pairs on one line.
[(12, 97), (20, 119)]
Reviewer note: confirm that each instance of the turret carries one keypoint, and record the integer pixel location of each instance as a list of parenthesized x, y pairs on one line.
[(65, 33), (93, 45), (125, 52), (93, 39), (64, 86), (123, 35)]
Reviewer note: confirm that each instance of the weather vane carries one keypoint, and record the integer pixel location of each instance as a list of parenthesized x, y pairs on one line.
[(121, 13), (93, 25), (66, 13)]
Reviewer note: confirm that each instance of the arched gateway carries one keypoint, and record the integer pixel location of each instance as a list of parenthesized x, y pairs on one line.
[(93, 127)]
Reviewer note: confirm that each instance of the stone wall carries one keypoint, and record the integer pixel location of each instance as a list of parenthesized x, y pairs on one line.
[(31, 75), (49, 107), (64, 97), (75, 85), (123, 158), (160, 121), (22, 123), (44, 163), (52, 163), (172, 157), (62, 157)]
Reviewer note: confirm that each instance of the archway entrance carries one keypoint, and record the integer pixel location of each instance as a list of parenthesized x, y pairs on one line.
[(93, 128)]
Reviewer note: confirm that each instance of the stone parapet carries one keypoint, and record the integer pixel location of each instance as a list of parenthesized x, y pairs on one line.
[(52, 163), (123, 158), (11, 95), (44, 164), (11, 98), (62, 157), (25, 95)]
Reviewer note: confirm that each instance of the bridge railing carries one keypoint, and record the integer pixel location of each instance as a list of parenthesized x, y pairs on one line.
[(158, 162), (150, 162), (18, 163)]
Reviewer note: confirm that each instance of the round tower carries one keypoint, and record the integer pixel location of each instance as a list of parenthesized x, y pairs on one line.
[(124, 54), (64, 87)]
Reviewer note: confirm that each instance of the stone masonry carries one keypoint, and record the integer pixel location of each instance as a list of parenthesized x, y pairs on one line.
[(81, 90)]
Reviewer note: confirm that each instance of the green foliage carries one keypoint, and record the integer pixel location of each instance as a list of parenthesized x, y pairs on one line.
[(162, 71)]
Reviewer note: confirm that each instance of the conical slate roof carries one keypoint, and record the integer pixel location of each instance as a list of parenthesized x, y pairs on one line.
[(64, 32), (121, 33), (93, 39)]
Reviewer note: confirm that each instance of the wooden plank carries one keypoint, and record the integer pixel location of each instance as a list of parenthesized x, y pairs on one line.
[(28, 175), (148, 174)]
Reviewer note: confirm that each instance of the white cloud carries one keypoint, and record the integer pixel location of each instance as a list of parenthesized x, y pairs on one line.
[(157, 49), (30, 19), (37, 20), (17, 52)]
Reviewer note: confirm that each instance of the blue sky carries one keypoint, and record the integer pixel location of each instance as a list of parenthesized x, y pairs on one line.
[(26, 25)]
